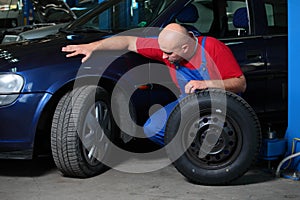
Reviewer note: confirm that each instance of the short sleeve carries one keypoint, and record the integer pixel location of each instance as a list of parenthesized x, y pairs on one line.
[(223, 59), (149, 48)]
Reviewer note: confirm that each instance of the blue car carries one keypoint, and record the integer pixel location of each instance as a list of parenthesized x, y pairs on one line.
[(83, 114)]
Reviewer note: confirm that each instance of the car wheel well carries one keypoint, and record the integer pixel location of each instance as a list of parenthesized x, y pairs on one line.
[(42, 146)]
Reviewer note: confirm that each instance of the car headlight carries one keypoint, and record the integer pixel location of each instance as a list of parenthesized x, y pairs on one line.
[(10, 87)]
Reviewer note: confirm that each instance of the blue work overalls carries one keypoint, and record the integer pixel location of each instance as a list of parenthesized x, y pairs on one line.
[(154, 127)]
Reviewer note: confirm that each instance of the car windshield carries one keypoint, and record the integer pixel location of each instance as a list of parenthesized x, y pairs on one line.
[(124, 14)]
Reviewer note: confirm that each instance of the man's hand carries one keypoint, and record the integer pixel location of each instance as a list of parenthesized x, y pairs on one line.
[(236, 85), (82, 49), (194, 85)]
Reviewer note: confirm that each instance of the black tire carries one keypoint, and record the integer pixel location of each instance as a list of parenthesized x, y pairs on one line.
[(213, 137), (81, 121)]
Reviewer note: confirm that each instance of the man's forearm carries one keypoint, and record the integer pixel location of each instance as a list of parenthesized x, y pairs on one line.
[(235, 85), (116, 43), (113, 43)]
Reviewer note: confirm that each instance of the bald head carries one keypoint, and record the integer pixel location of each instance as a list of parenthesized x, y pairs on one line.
[(173, 36)]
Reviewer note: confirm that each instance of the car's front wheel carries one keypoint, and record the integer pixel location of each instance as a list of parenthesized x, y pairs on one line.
[(82, 130)]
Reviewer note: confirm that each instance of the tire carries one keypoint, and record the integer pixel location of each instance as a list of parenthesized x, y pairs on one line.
[(81, 121), (213, 137)]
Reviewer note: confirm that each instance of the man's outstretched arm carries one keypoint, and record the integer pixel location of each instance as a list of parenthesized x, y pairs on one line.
[(112, 43)]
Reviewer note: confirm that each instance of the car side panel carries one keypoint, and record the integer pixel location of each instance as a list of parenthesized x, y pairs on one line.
[(19, 121)]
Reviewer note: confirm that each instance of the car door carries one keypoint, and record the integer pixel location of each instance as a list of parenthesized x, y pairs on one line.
[(244, 37), (276, 48)]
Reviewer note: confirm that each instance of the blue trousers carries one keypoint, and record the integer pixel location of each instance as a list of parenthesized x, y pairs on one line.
[(155, 126)]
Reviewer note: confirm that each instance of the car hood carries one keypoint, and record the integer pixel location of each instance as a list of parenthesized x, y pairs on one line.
[(15, 55), (41, 62), (41, 32), (32, 54)]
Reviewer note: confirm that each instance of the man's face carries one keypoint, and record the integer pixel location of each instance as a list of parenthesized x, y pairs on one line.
[(171, 44), (171, 55)]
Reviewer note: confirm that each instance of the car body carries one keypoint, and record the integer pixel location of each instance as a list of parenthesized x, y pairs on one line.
[(35, 75)]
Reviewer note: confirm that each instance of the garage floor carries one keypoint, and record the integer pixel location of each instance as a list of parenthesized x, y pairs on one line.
[(39, 179)]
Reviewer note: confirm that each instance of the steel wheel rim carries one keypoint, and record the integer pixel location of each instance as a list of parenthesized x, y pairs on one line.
[(218, 151)]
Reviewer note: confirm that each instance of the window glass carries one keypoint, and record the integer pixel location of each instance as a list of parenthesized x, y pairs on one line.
[(276, 11), (216, 18), (231, 9), (127, 14), (270, 14), (206, 15)]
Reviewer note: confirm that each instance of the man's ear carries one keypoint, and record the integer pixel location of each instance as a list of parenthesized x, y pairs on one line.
[(191, 34), (185, 48)]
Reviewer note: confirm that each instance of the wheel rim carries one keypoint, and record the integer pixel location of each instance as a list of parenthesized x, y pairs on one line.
[(96, 129), (211, 142)]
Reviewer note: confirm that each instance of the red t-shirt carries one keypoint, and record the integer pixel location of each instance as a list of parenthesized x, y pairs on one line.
[(221, 63)]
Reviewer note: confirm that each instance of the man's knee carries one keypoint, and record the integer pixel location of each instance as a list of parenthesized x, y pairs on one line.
[(149, 128)]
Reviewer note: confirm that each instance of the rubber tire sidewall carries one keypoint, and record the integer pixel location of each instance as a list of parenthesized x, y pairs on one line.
[(239, 111), (67, 148)]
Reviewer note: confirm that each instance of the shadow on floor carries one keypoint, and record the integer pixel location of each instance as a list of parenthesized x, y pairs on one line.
[(27, 168), (254, 176), (42, 166)]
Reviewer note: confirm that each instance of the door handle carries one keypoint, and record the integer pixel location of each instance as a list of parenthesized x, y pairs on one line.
[(254, 55)]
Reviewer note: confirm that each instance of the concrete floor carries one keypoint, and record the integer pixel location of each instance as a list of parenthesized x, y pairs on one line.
[(39, 179)]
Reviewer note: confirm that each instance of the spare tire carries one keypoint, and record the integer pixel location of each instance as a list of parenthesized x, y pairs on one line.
[(213, 137)]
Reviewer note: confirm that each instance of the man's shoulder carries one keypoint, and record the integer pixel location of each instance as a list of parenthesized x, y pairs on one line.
[(147, 41), (153, 39), (210, 39), (210, 42)]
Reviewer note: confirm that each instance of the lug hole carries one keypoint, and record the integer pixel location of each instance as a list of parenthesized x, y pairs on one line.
[(226, 152), (230, 133), (207, 157), (225, 124), (205, 120)]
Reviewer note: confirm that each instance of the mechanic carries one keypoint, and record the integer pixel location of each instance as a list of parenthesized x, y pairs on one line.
[(195, 63)]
